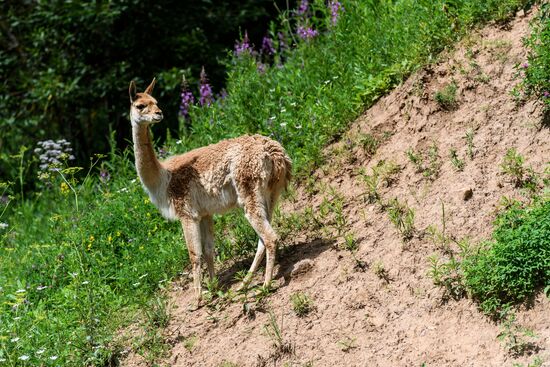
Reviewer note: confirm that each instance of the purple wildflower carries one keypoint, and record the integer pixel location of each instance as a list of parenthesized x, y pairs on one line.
[(546, 94), (261, 68), (206, 95), (306, 33), (267, 46), (104, 175), (335, 8), (282, 43), (525, 65), (187, 100), (302, 9), (223, 94), (243, 46)]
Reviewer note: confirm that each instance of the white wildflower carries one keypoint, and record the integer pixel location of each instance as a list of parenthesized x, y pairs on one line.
[(20, 291), (41, 287), (3, 225), (53, 358), (15, 340), (85, 282), (40, 351), (24, 357)]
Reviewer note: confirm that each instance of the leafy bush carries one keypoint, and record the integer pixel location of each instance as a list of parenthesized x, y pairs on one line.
[(513, 266)]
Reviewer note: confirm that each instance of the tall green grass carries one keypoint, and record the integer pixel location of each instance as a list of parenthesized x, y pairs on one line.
[(70, 278)]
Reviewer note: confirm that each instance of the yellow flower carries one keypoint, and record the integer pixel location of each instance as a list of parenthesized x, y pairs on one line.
[(92, 238), (110, 239), (64, 188)]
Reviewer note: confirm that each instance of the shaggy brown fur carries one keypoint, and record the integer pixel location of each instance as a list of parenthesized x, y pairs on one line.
[(248, 171)]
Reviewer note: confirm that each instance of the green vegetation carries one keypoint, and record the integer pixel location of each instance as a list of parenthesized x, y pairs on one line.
[(65, 67), (86, 251), (456, 161), (302, 304), (402, 218), (516, 263), (426, 162), (446, 97), (516, 339), (507, 270), (536, 70)]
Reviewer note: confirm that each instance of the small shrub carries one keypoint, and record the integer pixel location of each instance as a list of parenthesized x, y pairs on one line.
[(350, 243), (516, 263), (469, 137), (517, 340), (302, 304), (402, 218), (447, 275), (387, 171), (369, 144), (512, 165), (446, 98), (371, 182), (456, 161), (380, 271), (426, 162)]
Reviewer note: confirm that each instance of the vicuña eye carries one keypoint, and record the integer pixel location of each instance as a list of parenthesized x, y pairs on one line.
[(140, 106)]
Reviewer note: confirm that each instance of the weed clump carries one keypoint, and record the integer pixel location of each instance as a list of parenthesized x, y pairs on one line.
[(446, 97), (302, 304), (516, 263)]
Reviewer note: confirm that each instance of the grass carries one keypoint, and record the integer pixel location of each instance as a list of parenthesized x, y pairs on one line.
[(302, 304), (426, 162), (446, 97), (84, 255), (402, 218)]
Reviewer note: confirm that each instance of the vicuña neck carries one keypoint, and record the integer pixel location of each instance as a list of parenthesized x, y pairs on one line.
[(147, 165)]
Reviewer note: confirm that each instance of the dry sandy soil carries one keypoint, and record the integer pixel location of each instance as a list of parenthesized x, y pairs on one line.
[(377, 306)]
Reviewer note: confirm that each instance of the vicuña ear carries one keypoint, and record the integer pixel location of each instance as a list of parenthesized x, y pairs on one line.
[(149, 89), (132, 91)]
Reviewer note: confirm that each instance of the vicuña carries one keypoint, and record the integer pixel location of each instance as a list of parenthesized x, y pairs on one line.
[(248, 171)]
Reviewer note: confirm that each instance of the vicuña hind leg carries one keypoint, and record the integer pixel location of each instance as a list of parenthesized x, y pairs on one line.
[(192, 233), (259, 219)]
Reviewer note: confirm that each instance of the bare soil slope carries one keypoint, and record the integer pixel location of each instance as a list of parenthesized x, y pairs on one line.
[(377, 306)]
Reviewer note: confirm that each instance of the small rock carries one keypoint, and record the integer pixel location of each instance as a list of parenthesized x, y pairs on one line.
[(521, 13), (467, 195), (301, 267)]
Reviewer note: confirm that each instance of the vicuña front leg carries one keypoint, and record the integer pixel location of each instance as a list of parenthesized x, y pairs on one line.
[(192, 233), (207, 237)]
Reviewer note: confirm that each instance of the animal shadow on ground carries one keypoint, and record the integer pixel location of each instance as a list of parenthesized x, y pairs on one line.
[(287, 257), (545, 123)]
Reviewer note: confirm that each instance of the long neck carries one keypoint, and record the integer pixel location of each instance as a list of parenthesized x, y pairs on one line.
[(147, 165)]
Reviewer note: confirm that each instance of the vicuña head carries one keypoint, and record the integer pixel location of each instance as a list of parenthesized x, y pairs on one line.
[(144, 109), (248, 171)]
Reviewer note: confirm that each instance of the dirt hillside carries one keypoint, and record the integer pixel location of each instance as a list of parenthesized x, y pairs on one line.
[(376, 306)]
